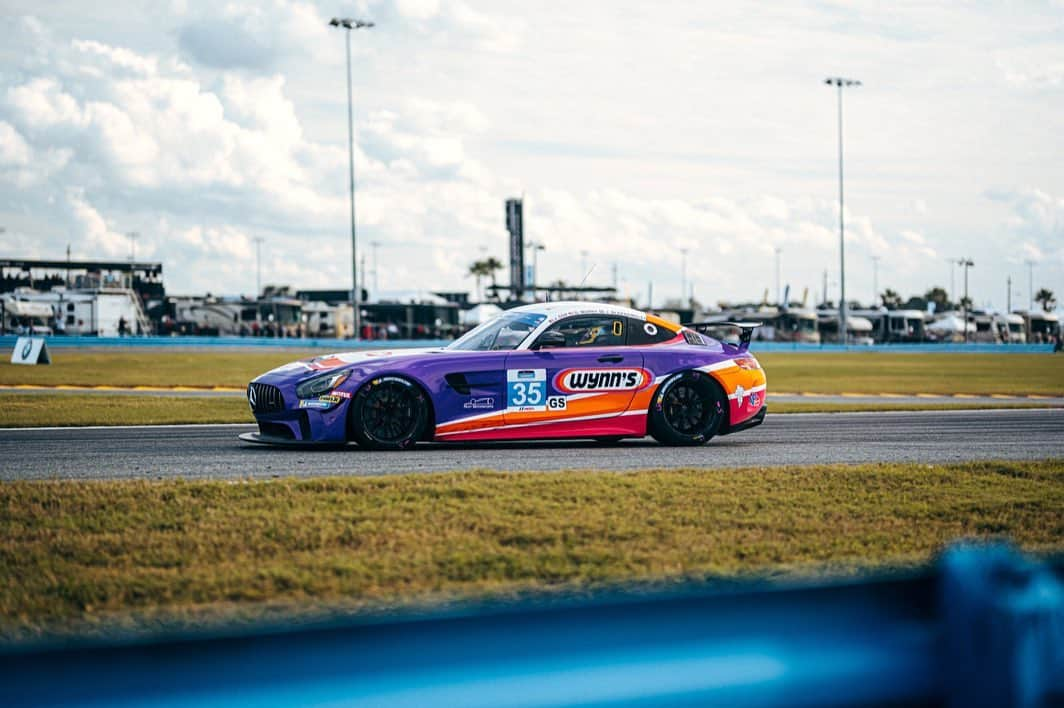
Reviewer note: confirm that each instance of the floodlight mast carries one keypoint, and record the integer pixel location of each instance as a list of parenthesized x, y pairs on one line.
[(349, 24), (841, 82)]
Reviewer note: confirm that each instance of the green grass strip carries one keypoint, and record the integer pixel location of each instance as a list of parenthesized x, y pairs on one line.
[(865, 372), (82, 553), (21, 410)]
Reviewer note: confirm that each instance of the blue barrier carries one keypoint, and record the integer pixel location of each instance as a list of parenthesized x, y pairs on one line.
[(983, 628), (332, 344), (186, 342)]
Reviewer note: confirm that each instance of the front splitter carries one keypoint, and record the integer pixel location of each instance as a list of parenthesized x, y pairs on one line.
[(260, 439)]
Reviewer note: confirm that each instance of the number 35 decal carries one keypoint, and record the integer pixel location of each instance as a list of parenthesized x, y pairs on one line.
[(526, 389)]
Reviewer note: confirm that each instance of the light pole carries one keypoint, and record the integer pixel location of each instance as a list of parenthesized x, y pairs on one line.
[(258, 265), (875, 280), (841, 83), (133, 236), (952, 287), (778, 295), (376, 281), (965, 263), (536, 248), (1030, 285), (683, 275), (350, 24)]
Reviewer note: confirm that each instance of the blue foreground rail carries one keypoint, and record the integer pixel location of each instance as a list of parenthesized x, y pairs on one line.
[(7, 342), (985, 627)]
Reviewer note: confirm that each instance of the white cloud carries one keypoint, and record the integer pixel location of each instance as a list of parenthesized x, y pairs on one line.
[(705, 129)]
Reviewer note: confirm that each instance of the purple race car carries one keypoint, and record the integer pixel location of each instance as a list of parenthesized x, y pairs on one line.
[(543, 371)]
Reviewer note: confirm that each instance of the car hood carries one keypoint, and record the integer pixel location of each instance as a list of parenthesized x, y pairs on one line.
[(299, 369)]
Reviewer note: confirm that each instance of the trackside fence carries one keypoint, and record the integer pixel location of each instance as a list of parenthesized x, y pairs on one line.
[(983, 627), (7, 342)]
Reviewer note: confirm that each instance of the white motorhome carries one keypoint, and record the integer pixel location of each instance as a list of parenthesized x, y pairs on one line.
[(986, 329), (1041, 326), (859, 329), (94, 312), (786, 325), (891, 326), (26, 317), (1011, 328)]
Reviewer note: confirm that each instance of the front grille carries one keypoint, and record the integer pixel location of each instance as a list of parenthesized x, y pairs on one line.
[(265, 398)]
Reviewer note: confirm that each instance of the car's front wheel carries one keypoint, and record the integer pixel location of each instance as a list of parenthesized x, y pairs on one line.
[(688, 409), (388, 413)]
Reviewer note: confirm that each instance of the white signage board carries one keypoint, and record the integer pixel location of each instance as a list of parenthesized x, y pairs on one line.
[(30, 350)]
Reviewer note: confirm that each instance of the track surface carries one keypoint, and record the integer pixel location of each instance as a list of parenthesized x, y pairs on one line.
[(850, 398), (213, 450)]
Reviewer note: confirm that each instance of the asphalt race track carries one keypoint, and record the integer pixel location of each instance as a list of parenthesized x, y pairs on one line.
[(213, 451)]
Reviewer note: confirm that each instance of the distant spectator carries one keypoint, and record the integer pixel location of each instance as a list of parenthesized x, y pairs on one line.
[(123, 326)]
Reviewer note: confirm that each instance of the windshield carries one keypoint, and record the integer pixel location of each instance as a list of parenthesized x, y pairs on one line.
[(503, 333)]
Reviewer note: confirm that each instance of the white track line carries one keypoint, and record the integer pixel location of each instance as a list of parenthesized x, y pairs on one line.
[(133, 427)]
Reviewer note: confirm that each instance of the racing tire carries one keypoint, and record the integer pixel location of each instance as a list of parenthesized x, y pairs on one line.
[(388, 413), (688, 409)]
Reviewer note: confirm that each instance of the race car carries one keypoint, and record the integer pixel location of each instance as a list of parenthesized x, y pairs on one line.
[(557, 370)]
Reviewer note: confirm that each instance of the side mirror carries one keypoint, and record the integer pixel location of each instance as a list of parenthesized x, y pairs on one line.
[(550, 339)]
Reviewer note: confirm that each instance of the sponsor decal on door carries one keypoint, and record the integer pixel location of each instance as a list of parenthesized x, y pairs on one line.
[(599, 380)]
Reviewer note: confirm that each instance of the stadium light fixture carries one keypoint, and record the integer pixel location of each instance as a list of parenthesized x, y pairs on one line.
[(965, 263), (349, 24), (841, 83)]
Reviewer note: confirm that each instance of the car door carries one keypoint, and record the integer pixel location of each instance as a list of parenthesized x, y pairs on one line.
[(469, 391), (591, 377)]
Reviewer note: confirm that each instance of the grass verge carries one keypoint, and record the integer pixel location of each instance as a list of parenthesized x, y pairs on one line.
[(19, 410), (876, 372), (81, 554), (813, 373)]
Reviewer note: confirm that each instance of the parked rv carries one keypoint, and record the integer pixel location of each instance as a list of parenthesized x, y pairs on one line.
[(1041, 326), (93, 312), (23, 317), (859, 329), (1011, 328), (894, 326)]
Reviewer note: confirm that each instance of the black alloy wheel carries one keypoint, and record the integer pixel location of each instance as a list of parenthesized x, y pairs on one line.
[(688, 409), (388, 413)]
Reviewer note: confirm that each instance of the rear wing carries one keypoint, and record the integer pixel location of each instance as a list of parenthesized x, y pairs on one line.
[(746, 329)]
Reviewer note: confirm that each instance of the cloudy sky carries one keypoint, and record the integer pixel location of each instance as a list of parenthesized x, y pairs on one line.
[(634, 130)]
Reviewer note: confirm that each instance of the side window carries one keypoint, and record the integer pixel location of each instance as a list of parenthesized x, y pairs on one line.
[(592, 330), (643, 333)]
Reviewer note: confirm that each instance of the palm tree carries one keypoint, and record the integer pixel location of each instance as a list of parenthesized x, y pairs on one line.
[(1046, 299), (491, 265), (479, 269), (891, 299), (940, 297)]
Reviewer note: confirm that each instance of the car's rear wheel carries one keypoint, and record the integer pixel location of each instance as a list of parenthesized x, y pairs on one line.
[(688, 409), (388, 413)]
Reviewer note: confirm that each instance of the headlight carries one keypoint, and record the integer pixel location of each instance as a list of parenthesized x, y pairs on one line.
[(312, 388)]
